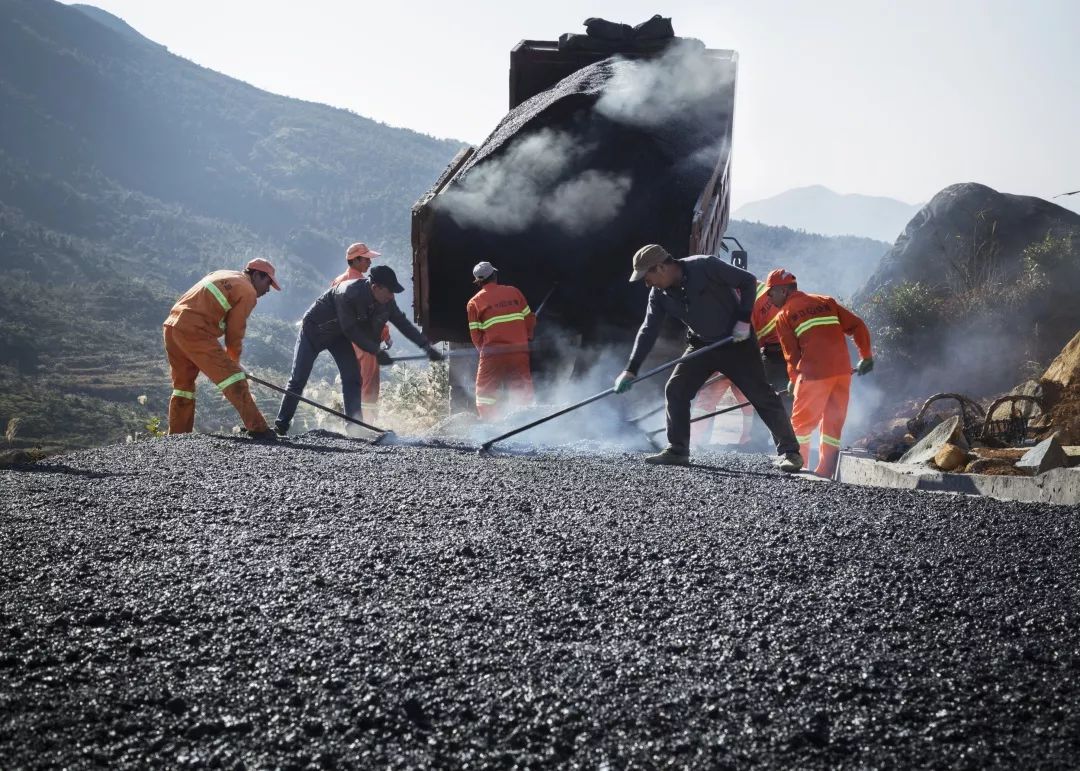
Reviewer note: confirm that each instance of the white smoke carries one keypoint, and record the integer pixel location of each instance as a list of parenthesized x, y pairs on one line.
[(534, 183), (683, 82)]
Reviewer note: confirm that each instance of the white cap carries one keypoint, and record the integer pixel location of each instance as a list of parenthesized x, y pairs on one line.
[(482, 270)]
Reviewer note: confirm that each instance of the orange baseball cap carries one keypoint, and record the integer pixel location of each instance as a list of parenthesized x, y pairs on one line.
[(266, 267), (779, 277), (360, 250)]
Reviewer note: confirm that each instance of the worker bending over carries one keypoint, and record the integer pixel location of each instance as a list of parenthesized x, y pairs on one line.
[(713, 300), (358, 256), (501, 326), (351, 313), (218, 305), (812, 330)]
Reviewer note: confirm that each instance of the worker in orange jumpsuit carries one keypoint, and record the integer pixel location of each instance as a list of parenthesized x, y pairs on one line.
[(358, 256), (218, 305), (763, 319), (812, 330), (501, 326)]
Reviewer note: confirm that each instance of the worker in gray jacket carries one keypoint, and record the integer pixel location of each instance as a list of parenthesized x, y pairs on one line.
[(713, 300), (353, 312)]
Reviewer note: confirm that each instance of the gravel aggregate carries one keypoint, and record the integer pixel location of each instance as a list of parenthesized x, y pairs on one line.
[(202, 601)]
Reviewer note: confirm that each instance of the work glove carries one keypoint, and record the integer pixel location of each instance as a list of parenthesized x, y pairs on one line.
[(790, 388), (865, 365), (740, 332), (623, 383), (384, 359), (388, 344), (433, 353)]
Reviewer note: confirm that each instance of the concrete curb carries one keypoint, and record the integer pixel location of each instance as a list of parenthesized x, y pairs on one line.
[(1059, 486)]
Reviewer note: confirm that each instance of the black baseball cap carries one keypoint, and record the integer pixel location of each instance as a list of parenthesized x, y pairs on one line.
[(383, 275)]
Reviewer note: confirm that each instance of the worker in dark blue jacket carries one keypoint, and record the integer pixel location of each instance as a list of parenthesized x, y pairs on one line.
[(714, 301), (353, 312)]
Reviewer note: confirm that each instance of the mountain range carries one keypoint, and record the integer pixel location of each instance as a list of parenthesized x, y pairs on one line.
[(128, 172), (817, 209)]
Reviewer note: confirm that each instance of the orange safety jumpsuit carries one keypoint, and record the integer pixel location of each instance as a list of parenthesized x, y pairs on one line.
[(369, 365), (500, 318), (707, 400), (812, 331), (218, 305)]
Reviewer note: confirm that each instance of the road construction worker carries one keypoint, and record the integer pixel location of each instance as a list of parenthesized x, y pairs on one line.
[(813, 330), (709, 396), (350, 313), (358, 256), (763, 319), (501, 326), (218, 305), (713, 300)]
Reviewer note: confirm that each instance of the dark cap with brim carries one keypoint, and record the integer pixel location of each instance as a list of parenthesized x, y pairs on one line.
[(383, 275), (647, 258)]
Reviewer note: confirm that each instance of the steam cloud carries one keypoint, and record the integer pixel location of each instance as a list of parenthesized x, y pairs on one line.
[(538, 180), (532, 184)]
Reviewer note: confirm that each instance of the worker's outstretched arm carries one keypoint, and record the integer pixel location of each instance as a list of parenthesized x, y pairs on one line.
[(236, 325), (398, 319), (856, 327), (530, 318), (647, 333), (790, 345)]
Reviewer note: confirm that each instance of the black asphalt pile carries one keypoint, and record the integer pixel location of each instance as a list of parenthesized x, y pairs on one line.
[(201, 601)]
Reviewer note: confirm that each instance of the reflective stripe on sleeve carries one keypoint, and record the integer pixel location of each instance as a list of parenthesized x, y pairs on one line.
[(768, 328), (821, 321), (230, 380), (761, 289), (485, 400), (474, 325), (505, 318), (218, 295), (183, 394)]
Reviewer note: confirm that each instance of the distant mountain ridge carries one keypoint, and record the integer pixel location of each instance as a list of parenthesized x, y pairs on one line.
[(817, 209)]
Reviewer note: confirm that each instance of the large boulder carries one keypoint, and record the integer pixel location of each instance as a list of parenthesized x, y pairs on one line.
[(1064, 371), (966, 231)]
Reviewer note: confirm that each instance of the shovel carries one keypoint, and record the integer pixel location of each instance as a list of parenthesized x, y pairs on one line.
[(596, 397), (382, 432)]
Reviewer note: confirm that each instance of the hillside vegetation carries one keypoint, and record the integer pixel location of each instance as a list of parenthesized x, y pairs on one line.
[(127, 173)]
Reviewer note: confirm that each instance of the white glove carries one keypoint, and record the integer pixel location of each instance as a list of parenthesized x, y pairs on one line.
[(623, 382), (740, 332)]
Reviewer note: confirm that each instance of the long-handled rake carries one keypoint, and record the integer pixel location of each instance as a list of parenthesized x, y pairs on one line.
[(596, 397), (383, 433)]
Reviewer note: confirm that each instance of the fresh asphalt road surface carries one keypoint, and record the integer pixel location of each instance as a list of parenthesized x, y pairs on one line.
[(201, 600)]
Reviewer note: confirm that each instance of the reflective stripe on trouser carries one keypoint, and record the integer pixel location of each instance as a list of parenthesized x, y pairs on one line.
[(821, 404), (708, 400), (505, 370), (192, 352)]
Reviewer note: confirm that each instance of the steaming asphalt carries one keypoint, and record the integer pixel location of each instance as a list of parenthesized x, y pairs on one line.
[(201, 601)]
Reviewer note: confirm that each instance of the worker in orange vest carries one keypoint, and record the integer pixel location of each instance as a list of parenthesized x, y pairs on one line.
[(358, 256), (218, 305), (763, 319), (812, 330), (501, 326)]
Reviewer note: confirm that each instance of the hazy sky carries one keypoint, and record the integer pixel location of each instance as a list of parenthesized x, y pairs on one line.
[(864, 96)]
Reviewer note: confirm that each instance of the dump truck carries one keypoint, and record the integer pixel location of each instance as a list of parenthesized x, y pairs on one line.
[(607, 146)]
